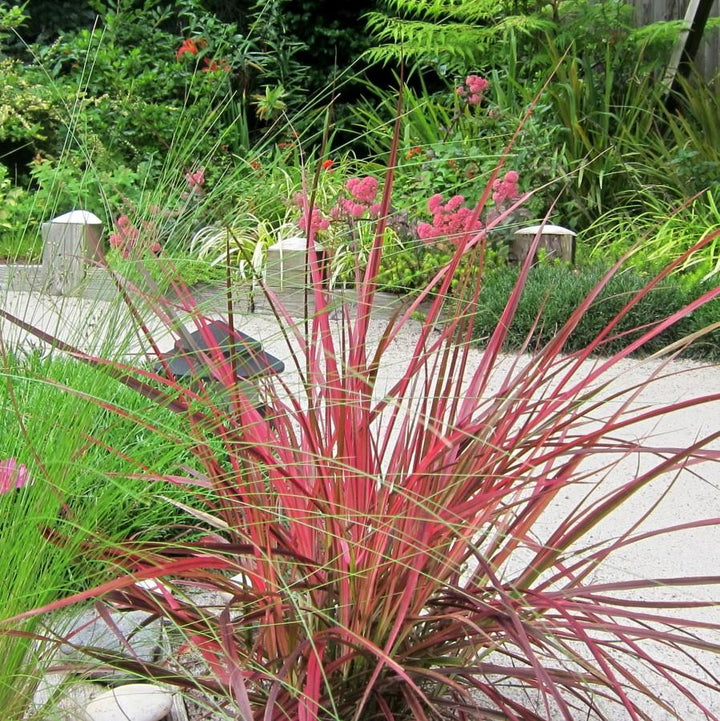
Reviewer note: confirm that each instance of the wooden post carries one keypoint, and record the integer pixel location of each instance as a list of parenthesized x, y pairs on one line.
[(686, 48), (69, 242)]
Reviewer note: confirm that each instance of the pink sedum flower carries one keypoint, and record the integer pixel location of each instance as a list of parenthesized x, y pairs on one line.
[(476, 84), (363, 190), (473, 89), (361, 201), (316, 222), (127, 236), (13, 475), (435, 203), (450, 220), (425, 231), (196, 180), (353, 209), (506, 189), (454, 203)]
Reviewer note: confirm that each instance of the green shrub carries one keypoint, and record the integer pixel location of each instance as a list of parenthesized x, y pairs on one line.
[(553, 292), (15, 212)]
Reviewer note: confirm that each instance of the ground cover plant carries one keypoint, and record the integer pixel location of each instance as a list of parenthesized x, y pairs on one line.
[(397, 548), (550, 298)]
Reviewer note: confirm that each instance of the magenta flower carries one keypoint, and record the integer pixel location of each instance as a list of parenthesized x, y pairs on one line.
[(127, 236), (473, 89), (353, 209), (450, 220), (195, 180), (13, 475), (317, 222), (375, 209), (476, 84), (454, 203), (507, 188), (363, 190), (435, 203)]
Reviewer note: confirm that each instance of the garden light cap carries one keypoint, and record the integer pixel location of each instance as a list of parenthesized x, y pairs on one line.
[(546, 229)]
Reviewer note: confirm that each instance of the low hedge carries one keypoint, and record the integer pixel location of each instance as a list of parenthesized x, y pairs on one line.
[(553, 292)]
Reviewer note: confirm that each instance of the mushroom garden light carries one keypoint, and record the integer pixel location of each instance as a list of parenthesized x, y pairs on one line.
[(192, 357)]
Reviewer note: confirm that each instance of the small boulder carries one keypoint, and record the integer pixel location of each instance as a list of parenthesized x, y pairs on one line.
[(88, 629), (63, 697), (132, 702)]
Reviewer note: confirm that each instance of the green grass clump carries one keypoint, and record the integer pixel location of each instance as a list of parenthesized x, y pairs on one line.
[(94, 459)]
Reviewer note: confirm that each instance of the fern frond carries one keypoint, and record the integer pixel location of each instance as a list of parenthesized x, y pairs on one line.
[(461, 44), (664, 31), (466, 11), (417, 40)]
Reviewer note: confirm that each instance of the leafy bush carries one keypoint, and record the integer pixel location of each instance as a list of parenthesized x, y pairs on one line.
[(15, 212), (29, 117)]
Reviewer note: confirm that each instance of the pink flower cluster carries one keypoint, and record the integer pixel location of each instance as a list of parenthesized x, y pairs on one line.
[(505, 189), (315, 222), (364, 189), (363, 192), (473, 89), (13, 475), (126, 237), (196, 180), (449, 219)]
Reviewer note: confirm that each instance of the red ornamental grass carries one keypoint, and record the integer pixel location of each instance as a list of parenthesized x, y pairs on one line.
[(420, 545)]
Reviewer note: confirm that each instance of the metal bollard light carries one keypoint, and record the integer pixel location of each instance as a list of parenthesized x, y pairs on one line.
[(70, 241), (285, 265), (556, 241)]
